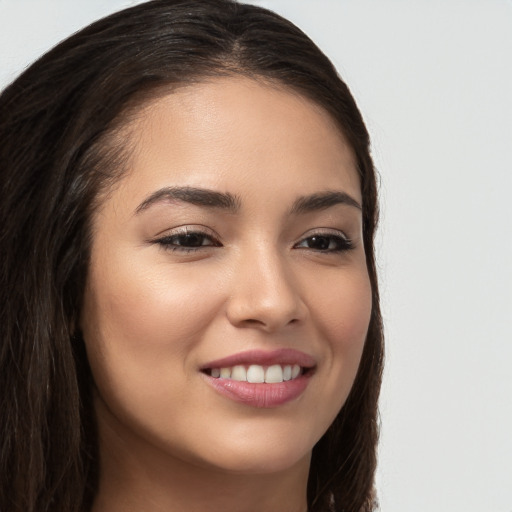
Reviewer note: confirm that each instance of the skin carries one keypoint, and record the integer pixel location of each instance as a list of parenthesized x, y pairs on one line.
[(153, 315)]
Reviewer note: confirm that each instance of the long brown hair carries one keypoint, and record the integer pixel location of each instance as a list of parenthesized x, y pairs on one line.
[(58, 152)]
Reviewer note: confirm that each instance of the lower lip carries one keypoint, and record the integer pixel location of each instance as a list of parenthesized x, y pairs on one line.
[(260, 395)]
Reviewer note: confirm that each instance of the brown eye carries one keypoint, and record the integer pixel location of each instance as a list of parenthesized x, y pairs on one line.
[(190, 240), (321, 243), (187, 241), (325, 243)]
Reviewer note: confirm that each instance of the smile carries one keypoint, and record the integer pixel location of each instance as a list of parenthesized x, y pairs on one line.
[(261, 379), (258, 374)]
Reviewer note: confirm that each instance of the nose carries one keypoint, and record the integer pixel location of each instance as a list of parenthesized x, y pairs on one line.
[(265, 293)]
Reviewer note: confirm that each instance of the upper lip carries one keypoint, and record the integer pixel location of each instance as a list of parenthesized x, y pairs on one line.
[(283, 356)]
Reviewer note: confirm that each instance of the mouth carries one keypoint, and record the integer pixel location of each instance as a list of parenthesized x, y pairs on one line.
[(259, 374), (259, 378)]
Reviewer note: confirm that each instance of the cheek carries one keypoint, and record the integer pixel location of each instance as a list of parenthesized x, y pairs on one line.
[(343, 315), (141, 328), (140, 311), (141, 331), (344, 311)]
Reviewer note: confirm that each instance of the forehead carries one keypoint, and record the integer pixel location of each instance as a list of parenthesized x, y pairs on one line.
[(234, 132)]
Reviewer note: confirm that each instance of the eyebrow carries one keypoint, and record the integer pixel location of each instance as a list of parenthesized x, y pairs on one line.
[(193, 195), (226, 201), (322, 201)]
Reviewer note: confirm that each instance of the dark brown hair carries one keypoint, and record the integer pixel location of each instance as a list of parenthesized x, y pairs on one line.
[(58, 122)]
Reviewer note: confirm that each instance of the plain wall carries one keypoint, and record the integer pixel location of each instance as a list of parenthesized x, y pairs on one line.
[(433, 79)]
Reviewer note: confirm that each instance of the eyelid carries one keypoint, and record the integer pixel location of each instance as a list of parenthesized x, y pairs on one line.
[(188, 229), (165, 239), (325, 232), (347, 243)]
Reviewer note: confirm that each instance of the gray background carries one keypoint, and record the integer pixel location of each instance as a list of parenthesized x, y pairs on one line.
[(433, 79)]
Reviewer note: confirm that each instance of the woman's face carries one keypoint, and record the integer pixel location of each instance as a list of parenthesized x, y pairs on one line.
[(230, 252)]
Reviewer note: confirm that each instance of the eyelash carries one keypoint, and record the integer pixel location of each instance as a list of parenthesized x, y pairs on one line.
[(168, 242), (341, 242)]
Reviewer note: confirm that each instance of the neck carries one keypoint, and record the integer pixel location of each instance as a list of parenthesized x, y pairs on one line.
[(136, 475)]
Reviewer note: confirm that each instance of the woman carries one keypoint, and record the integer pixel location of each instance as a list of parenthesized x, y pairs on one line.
[(190, 316)]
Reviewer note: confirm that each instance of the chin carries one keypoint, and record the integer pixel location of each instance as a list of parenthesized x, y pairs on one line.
[(265, 461), (259, 452)]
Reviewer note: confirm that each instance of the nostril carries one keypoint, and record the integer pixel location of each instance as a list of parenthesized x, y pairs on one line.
[(253, 321)]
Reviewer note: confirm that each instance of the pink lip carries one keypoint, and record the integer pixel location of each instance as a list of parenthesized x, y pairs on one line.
[(264, 358), (262, 395)]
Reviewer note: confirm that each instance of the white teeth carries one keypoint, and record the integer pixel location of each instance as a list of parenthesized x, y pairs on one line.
[(225, 373), (239, 373), (274, 374), (258, 374), (255, 374)]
